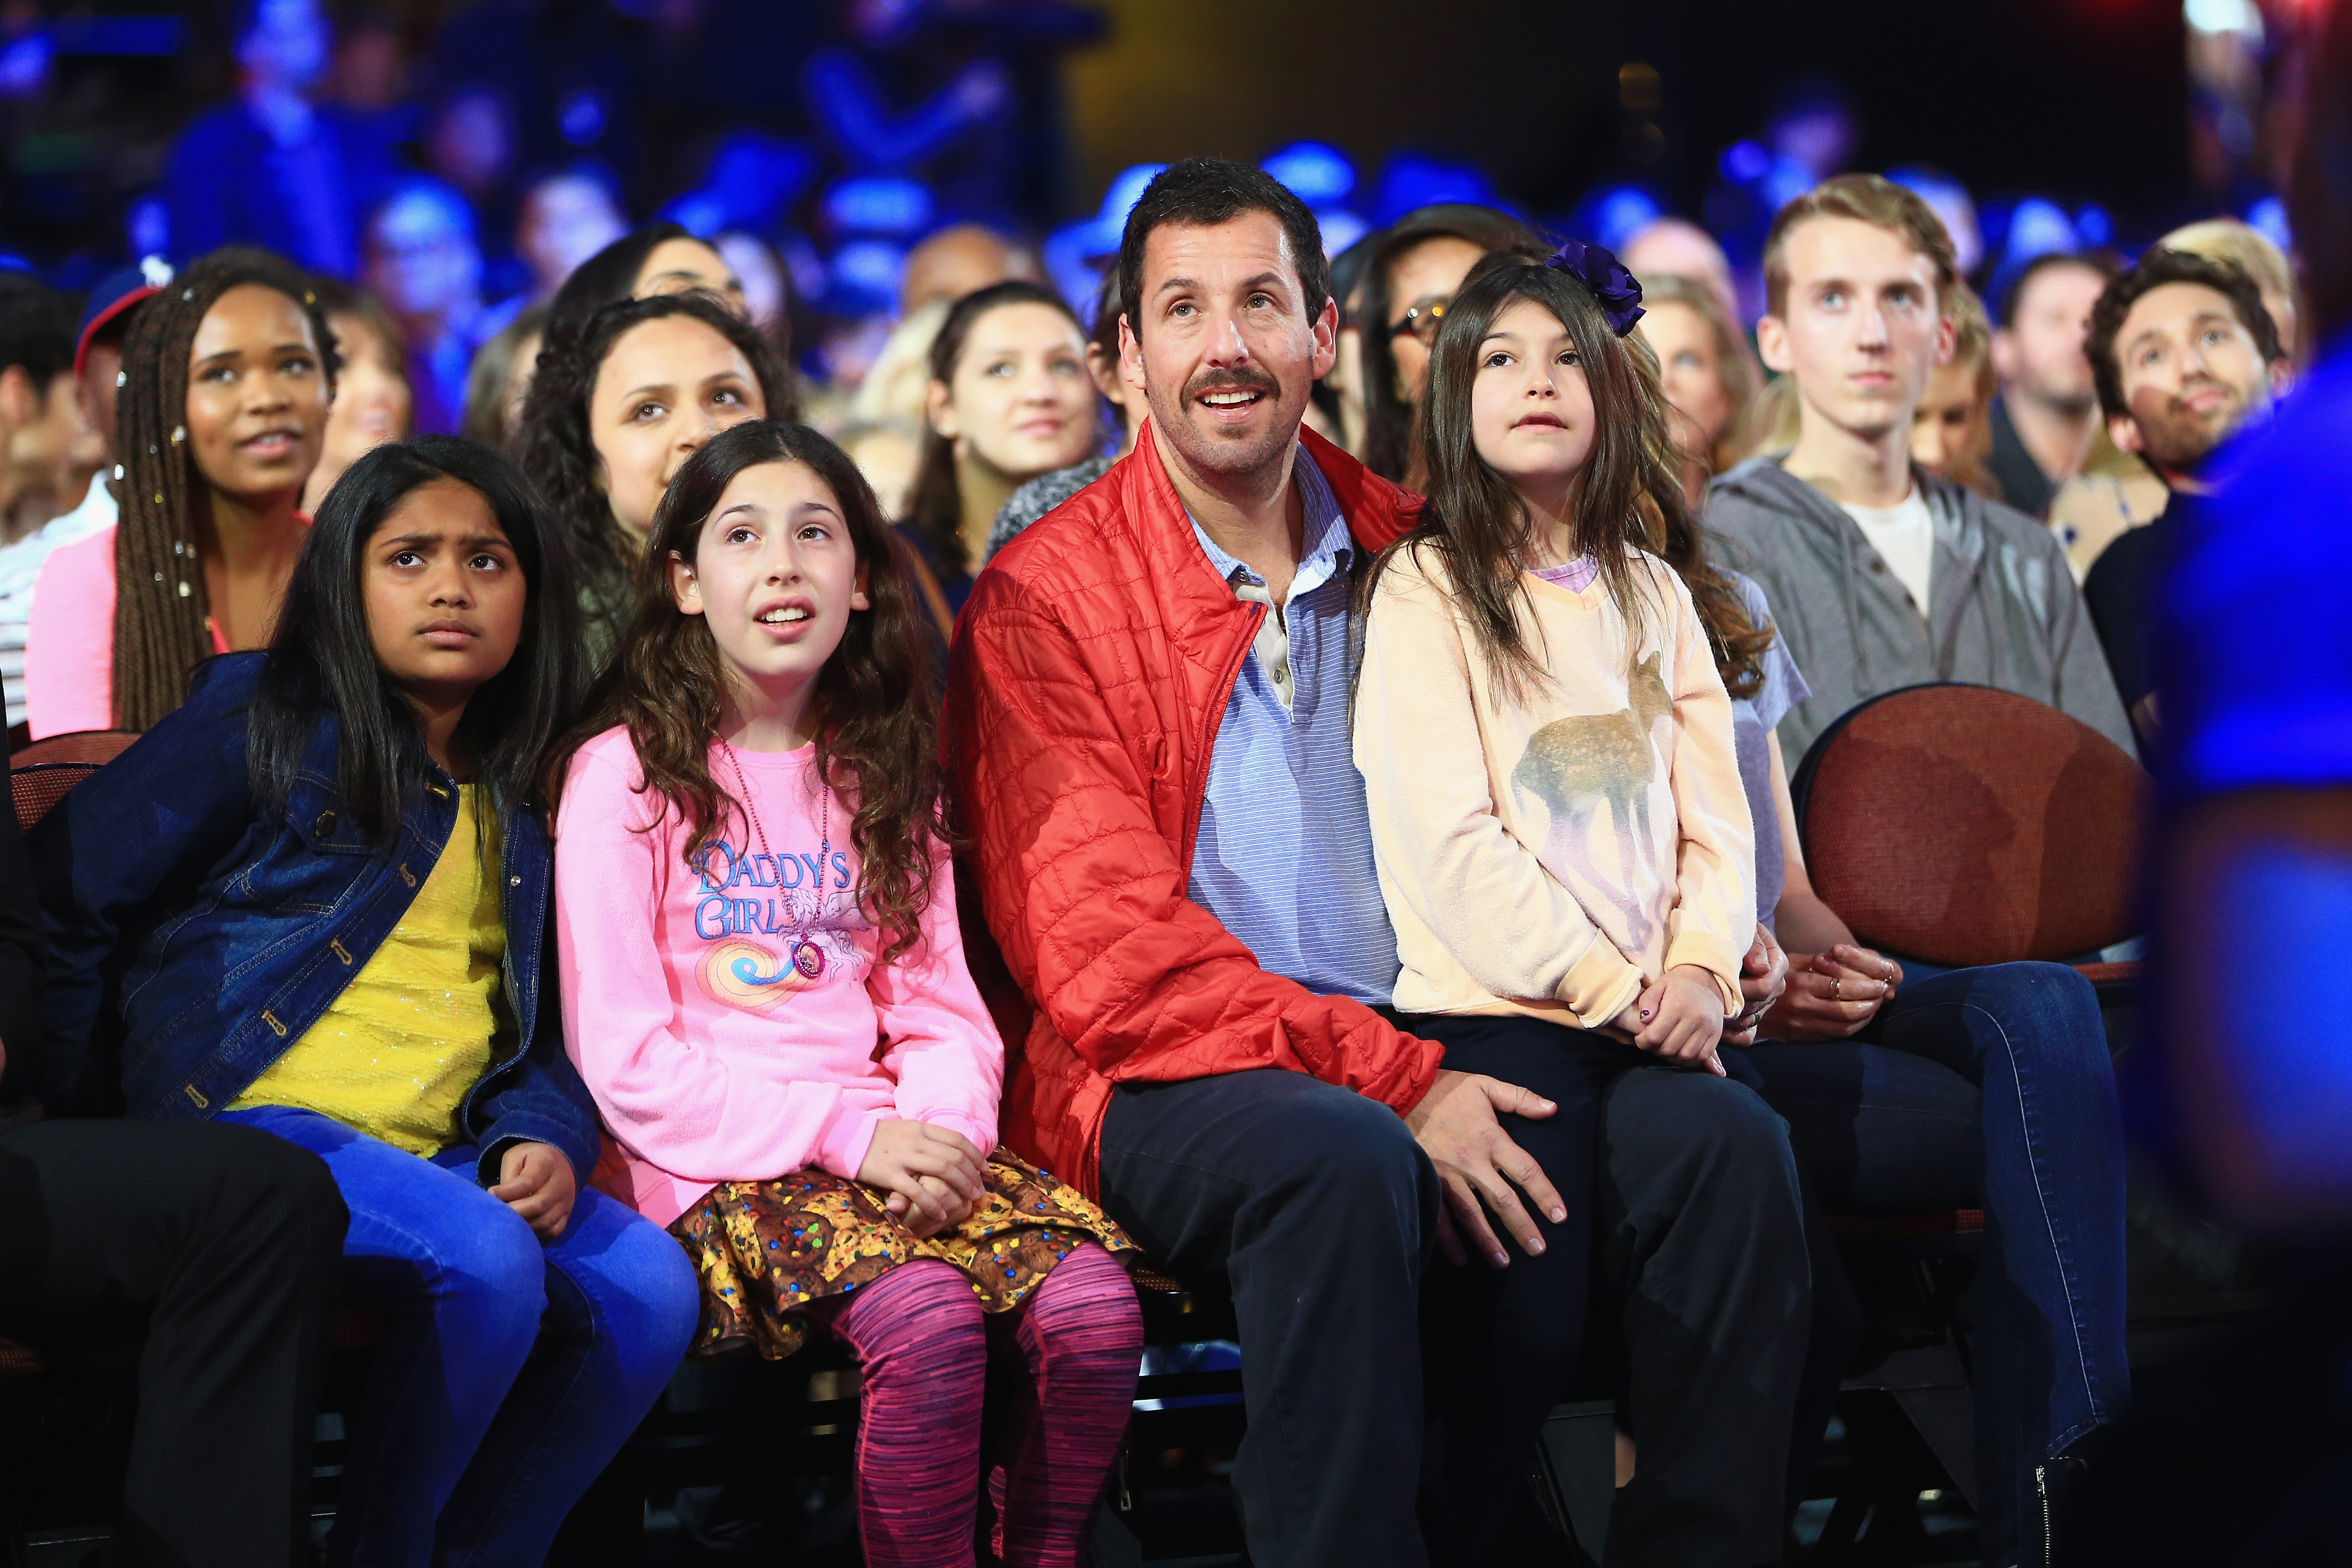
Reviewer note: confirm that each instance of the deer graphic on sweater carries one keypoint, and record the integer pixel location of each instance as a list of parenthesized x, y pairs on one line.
[(1578, 765)]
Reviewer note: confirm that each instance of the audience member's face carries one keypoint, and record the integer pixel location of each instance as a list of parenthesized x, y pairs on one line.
[(287, 43), (1022, 403), (1672, 247), (98, 387), (50, 444), (2191, 375), (953, 263), (564, 222), (443, 591), (2039, 352), (256, 395), (372, 404), (1226, 352), (1690, 368), (774, 574), (1531, 413), (422, 261), (674, 266), (1425, 276), (1950, 423), (472, 144), (1860, 330), (668, 385)]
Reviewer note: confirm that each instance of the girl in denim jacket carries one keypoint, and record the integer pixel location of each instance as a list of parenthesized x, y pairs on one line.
[(314, 900)]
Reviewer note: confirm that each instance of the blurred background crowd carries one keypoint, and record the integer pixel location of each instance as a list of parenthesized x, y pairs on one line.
[(854, 164)]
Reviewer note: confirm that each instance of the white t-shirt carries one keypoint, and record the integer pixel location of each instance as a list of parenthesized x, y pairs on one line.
[(1905, 535)]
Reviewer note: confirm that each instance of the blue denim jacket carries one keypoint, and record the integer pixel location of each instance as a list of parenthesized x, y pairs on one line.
[(205, 936)]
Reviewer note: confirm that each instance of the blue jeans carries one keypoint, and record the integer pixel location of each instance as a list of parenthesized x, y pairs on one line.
[(482, 1424), (1991, 1085)]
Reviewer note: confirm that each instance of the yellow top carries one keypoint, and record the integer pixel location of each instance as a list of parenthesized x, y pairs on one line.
[(394, 1054)]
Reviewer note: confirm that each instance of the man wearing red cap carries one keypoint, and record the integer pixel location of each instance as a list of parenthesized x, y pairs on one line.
[(56, 417)]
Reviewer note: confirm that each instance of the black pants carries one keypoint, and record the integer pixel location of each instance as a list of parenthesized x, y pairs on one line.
[(1500, 1345), (1703, 1241), (224, 1244), (1315, 1207)]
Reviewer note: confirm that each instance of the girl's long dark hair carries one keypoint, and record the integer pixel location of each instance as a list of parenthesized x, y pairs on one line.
[(557, 447), (874, 713), (934, 503), (322, 659), (1627, 499), (160, 604), (1389, 418), (608, 276)]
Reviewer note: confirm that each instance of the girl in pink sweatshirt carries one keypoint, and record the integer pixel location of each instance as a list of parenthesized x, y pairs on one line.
[(765, 991)]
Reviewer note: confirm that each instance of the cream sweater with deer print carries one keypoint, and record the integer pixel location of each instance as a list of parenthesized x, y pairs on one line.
[(1552, 855)]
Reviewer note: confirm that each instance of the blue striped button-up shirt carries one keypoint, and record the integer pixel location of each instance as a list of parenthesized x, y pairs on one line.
[(1284, 855)]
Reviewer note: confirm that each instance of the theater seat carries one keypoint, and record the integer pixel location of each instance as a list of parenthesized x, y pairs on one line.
[(1965, 826), (1961, 825), (40, 774)]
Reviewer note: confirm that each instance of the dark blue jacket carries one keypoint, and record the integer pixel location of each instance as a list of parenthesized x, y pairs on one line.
[(204, 936)]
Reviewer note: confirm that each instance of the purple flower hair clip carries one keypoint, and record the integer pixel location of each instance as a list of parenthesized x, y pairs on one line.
[(1618, 290)]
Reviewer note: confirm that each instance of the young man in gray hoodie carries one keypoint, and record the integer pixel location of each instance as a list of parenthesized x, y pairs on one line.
[(1879, 575)]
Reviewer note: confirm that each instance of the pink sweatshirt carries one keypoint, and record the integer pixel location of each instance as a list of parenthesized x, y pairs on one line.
[(732, 1023), (69, 639)]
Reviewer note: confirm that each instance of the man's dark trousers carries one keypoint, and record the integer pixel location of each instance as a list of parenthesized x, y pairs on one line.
[(1315, 1207), (225, 1245)]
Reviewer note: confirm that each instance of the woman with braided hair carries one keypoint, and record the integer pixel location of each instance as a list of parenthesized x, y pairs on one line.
[(226, 382)]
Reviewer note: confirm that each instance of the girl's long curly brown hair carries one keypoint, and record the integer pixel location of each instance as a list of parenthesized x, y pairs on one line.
[(875, 709)]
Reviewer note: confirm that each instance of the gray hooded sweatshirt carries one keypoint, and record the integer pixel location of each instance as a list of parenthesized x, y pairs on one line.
[(2005, 609)]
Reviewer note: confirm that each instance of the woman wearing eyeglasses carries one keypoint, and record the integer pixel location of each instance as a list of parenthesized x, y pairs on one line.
[(1417, 267)]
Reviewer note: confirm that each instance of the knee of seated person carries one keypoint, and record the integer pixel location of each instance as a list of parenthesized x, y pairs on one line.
[(660, 1295), (259, 1172), (1352, 1148), (492, 1255), (1735, 1128)]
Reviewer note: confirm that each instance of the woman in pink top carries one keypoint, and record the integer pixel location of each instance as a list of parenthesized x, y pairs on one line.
[(765, 991), (227, 378)]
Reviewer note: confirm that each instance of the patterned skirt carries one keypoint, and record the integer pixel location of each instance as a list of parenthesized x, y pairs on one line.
[(766, 1251)]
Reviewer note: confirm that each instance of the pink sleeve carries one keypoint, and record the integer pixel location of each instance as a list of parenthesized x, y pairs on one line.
[(943, 1049), (670, 1101), (69, 639)]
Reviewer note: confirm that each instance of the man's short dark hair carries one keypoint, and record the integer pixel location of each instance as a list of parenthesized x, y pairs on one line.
[(2156, 269), (2014, 295), (37, 332), (1209, 191)]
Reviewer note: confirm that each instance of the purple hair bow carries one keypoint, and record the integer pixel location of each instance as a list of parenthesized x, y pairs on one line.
[(1618, 290)]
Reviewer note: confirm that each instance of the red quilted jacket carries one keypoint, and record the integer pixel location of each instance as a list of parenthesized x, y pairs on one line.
[(1092, 666)]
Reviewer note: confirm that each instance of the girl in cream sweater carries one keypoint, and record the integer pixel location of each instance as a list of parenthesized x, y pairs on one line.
[(1556, 815)]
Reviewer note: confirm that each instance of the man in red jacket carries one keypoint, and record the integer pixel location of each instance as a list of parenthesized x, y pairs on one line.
[(1149, 723)]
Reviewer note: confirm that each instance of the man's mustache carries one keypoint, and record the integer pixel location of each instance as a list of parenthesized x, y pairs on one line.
[(1210, 380)]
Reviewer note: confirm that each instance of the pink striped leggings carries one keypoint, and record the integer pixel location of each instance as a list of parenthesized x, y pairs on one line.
[(923, 1346)]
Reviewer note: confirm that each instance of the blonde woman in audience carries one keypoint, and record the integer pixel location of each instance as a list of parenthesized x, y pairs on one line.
[(225, 382), (888, 452), (1706, 371), (373, 403), (1010, 399), (1952, 431), (896, 385)]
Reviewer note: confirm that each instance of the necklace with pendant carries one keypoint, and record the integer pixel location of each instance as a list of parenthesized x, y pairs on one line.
[(806, 956)]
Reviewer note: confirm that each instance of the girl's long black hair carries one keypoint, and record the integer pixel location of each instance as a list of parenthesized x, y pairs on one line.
[(322, 660)]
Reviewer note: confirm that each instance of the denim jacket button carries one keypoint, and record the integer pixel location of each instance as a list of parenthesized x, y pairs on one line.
[(325, 826)]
